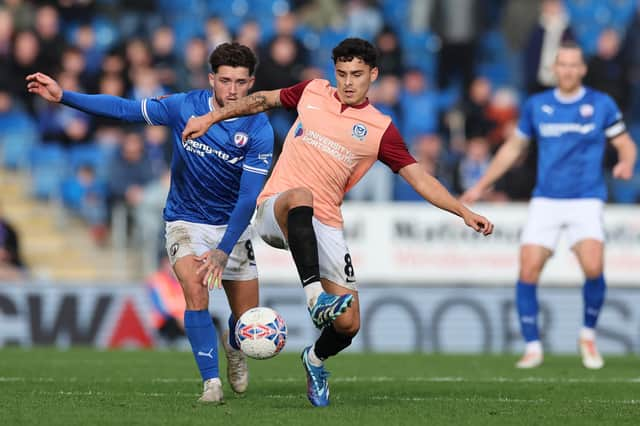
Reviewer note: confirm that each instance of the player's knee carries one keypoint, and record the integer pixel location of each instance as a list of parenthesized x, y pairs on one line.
[(593, 270), (299, 197), (530, 273), (349, 329)]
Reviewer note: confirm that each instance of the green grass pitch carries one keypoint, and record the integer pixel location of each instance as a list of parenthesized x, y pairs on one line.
[(86, 387)]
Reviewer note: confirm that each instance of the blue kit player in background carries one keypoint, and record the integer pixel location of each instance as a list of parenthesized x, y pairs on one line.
[(571, 123), (215, 180)]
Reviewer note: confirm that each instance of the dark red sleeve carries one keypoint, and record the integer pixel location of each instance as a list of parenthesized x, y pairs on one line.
[(393, 151), (290, 96)]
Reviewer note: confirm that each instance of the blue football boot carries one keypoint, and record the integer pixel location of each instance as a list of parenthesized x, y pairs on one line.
[(317, 384), (328, 307)]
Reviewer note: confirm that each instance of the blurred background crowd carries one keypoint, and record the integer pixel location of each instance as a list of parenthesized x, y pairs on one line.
[(453, 74)]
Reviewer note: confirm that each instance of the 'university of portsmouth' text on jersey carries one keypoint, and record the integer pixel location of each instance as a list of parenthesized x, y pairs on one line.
[(571, 136), (206, 171)]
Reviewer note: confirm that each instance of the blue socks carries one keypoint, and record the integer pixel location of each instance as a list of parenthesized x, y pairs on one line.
[(232, 333), (527, 305), (204, 343), (593, 294)]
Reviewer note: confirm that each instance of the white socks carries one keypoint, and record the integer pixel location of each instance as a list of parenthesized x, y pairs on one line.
[(312, 291), (313, 358), (533, 347), (587, 333)]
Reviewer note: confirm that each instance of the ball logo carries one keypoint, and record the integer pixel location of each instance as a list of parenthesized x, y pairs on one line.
[(586, 110), (240, 139), (359, 131)]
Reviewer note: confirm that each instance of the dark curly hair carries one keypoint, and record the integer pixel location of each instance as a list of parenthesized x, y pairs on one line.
[(350, 48), (233, 55)]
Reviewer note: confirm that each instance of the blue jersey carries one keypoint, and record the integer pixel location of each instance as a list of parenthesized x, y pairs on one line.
[(216, 178), (571, 136), (205, 173)]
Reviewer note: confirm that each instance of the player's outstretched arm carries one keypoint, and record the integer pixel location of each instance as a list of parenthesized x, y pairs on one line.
[(251, 104), (503, 160), (103, 105), (627, 154), (433, 191)]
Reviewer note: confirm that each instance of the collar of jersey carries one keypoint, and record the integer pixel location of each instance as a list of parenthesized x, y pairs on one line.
[(571, 99), (344, 106), (211, 109)]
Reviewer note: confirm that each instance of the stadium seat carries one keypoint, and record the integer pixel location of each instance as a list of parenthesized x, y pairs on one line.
[(402, 191), (420, 51), (396, 13), (493, 62), (48, 167), (15, 146)]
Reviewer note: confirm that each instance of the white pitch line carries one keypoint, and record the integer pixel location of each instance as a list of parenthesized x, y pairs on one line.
[(347, 379)]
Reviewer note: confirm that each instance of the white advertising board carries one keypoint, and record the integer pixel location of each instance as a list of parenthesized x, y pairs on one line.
[(417, 244)]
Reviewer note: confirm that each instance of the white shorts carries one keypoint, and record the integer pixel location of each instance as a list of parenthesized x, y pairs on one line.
[(580, 218), (333, 254), (188, 238)]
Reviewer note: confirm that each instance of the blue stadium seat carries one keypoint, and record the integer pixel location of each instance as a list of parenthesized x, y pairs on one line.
[(420, 51), (402, 191), (48, 167), (493, 62), (329, 38), (186, 28), (396, 13), (106, 33), (16, 144), (91, 155)]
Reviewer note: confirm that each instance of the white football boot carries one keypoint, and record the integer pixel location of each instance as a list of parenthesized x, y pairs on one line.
[(237, 368), (591, 358), (212, 392), (532, 357)]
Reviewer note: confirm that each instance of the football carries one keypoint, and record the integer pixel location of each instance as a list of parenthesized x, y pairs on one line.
[(261, 333)]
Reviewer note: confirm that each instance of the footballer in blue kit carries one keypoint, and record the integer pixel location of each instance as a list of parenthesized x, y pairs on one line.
[(215, 180), (571, 124)]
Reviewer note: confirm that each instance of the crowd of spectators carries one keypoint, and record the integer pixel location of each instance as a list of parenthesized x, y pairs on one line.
[(452, 76)]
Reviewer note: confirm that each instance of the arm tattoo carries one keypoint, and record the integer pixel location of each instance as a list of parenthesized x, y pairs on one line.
[(252, 104)]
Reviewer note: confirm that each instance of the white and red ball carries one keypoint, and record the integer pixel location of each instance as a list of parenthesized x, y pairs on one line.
[(261, 333)]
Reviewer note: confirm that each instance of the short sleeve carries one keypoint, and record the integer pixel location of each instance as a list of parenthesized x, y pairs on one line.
[(163, 110), (393, 151), (290, 96), (260, 152), (525, 127), (614, 124)]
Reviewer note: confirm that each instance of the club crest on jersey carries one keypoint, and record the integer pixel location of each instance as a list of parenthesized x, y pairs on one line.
[(359, 131), (240, 139), (299, 131), (586, 110)]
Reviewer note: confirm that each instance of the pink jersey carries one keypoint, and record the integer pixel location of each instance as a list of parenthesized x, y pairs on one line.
[(330, 147)]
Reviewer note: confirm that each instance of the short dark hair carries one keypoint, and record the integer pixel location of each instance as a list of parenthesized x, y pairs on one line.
[(234, 55), (570, 44), (351, 48)]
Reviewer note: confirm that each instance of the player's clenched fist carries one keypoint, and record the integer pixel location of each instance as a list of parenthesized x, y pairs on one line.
[(623, 170), (478, 223), (196, 127)]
